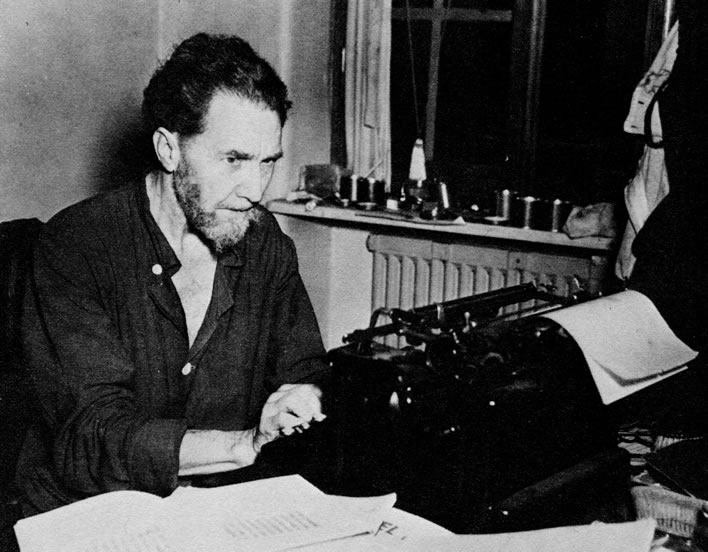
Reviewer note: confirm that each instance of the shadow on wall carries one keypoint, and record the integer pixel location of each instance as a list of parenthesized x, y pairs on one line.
[(123, 153)]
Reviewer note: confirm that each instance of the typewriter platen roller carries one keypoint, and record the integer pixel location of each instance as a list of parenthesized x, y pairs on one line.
[(485, 398)]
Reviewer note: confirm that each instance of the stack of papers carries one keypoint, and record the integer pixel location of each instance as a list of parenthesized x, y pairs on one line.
[(285, 513), (280, 513)]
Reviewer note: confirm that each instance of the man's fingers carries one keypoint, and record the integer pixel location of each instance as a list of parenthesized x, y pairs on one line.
[(287, 424), (301, 400), (303, 410), (291, 409)]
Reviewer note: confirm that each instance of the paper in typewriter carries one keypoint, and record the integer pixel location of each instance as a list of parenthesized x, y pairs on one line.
[(626, 342)]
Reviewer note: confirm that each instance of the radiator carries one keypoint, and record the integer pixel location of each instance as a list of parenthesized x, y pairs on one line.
[(411, 272)]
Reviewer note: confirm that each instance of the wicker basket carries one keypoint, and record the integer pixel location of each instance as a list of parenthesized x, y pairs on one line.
[(674, 513)]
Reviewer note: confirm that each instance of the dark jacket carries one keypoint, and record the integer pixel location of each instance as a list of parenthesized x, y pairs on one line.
[(106, 344)]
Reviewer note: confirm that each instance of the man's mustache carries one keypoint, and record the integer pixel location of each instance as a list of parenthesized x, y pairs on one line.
[(242, 207)]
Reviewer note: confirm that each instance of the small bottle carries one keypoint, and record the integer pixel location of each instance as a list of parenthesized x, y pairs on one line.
[(417, 195), (444, 197)]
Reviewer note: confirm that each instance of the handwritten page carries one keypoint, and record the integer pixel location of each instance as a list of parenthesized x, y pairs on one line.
[(634, 536), (626, 342), (393, 527)]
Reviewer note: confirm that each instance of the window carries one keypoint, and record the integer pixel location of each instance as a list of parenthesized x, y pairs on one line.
[(450, 83), (525, 94)]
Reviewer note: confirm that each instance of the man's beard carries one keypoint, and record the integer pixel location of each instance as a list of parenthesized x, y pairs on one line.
[(220, 236)]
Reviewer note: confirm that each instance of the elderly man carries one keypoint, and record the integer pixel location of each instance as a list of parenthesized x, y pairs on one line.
[(169, 333)]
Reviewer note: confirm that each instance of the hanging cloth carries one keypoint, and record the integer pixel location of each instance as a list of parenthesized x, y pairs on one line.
[(650, 183), (367, 88)]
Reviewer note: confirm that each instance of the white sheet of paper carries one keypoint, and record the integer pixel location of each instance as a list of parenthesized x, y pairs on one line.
[(274, 514), (633, 536), (121, 520), (626, 342)]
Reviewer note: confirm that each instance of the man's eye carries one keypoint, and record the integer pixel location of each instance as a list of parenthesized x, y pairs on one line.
[(232, 160)]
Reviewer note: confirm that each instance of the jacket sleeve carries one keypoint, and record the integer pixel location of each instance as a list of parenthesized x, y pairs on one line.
[(83, 378), (300, 354)]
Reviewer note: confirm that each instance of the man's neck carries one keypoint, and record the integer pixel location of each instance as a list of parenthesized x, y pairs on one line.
[(170, 218), (194, 280)]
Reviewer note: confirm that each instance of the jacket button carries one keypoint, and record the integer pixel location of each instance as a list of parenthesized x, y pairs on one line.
[(187, 369)]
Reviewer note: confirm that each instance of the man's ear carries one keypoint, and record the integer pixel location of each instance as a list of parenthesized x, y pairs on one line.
[(167, 149)]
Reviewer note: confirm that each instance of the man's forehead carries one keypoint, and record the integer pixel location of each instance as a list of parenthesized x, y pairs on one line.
[(224, 103), (243, 123)]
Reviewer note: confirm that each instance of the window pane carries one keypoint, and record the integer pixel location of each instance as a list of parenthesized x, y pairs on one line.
[(403, 99), (473, 86), (593, 58)]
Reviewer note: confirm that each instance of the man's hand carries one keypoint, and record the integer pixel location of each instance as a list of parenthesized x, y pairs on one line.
[(290, 409)]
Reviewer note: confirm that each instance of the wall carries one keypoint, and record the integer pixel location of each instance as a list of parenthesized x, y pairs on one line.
[(72, 79), (72, 75)]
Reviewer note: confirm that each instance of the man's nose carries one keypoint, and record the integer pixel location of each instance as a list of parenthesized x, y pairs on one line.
[(250, 185)]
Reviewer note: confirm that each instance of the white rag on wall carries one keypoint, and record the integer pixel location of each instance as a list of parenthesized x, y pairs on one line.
[(650, 183)]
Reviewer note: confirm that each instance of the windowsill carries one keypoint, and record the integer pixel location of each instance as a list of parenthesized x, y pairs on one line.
[(378, 219)]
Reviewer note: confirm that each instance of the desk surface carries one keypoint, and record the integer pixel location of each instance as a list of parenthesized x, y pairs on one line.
[(386, 219)]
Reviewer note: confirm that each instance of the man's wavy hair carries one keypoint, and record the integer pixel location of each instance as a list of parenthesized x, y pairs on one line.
[(180, 91)]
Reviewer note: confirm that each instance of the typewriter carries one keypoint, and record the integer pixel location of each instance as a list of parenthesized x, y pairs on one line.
[(483, 417)]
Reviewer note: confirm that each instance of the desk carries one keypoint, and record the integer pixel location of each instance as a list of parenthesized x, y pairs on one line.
[(594, 489)]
